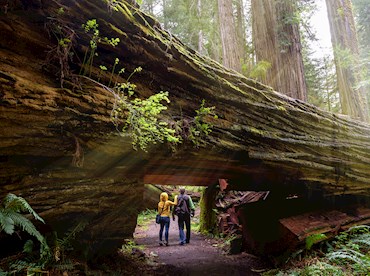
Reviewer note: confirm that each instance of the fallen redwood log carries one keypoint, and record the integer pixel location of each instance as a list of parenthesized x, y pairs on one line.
[(269, 137), (261, 140), (259, 133)]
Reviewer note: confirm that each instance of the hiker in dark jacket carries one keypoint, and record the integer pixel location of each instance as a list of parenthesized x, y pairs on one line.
[(184, 209)]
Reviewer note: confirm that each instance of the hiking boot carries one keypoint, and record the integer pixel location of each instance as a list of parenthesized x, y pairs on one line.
[(160, 243), (181, 243), (187, 241), (166, 243)]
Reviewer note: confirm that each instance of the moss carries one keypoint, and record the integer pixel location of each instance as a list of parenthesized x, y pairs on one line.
[(125, 11), (281, 108), (256, 131), (117, 30), (207, 205)]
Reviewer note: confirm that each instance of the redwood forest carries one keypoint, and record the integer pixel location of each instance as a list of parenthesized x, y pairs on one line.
[(185, 137)]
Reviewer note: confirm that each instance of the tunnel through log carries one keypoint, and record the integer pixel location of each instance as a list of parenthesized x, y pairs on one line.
[(48, 130)]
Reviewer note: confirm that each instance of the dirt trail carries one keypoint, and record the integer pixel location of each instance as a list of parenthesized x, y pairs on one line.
[(199, 257)]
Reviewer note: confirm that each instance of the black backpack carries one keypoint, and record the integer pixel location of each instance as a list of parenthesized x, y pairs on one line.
[(182, 207)]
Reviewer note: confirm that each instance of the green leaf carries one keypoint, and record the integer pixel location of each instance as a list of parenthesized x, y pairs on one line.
[(26, 225), (6, 223), (28, 246), (314, 238), (19, 204)]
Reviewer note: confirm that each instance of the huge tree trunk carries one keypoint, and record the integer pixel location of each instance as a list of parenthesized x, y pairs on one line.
[(241, 32), (276, 40), (344, 39), (60, 151), (200, 33), (231, 56)]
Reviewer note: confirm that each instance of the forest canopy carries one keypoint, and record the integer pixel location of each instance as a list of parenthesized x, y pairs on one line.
[(276, 42)]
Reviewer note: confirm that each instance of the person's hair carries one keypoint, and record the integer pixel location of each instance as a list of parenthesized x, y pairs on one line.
[(182, 190), (163, 197)]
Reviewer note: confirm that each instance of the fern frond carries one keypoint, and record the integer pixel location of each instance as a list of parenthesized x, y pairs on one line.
[(20, 265), (359, 229), (347, 255), (66, 241), (322, 269), (67, 265), (6, 223), (26, 225), (363, 240), (45, 253), (19, 204), (26, 267), (28, 247)]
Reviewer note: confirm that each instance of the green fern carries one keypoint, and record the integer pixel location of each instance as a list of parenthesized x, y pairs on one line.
[(363, 241), (6, 223), (352, 250), (359, 229), (25, 224), (21, 267), (28, 247), (19, 204), (346, 255), (61, 245), (321, 269), (67, 265), (10, 216)]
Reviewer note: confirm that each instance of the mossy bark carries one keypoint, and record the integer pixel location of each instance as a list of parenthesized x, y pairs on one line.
[(353, 97), (208, 216), (60, 151)]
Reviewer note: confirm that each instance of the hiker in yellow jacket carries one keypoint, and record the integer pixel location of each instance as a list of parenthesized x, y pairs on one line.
[(164, 210)]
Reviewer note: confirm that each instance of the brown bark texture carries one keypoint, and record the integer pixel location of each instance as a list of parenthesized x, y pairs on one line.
[(344, 40), (61, 152), (276, 40), (231, 55)]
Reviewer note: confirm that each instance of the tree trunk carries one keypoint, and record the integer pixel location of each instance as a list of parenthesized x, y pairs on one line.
[(241, 32), (164, 11), (278, 42), (231, 56), (200, 33), (345, 45), (207, 203), (60, 150), (215, 48)]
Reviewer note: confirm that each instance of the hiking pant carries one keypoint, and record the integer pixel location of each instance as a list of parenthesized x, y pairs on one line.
[(164, 223), (184, 219)]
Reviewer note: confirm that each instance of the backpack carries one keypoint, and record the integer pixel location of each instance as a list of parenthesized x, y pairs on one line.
[(182, 206)]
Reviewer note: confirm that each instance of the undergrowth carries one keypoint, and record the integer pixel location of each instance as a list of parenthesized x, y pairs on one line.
[(195, 220), (145, 218), (59, 258), (130, 245), (347, 254)]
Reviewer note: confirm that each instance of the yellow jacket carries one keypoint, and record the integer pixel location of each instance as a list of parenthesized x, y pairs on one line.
[(165, 204)]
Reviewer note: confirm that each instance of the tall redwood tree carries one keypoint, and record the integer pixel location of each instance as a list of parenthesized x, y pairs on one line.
[(276, 39), (346, 57)]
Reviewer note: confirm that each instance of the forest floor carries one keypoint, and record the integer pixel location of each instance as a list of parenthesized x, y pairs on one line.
[(144, 256), (202, 256)]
